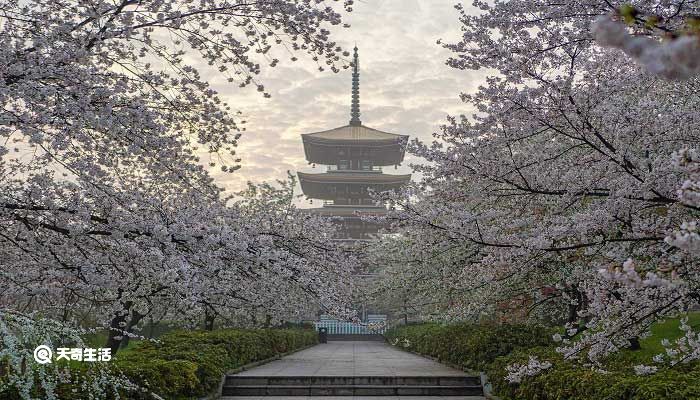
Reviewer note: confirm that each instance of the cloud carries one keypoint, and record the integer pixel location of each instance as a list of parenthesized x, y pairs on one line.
[(406, 87)]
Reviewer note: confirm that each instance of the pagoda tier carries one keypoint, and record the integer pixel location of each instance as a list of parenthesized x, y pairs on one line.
[(349, 187), (351, 226), (335, 146), (349, 211)]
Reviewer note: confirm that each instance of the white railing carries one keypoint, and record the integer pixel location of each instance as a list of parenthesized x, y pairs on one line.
[(334, 168), (375, 327)]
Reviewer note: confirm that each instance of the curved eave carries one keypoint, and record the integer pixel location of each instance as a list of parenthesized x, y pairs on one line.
[(325, 186), (351, 133), (348, 212), (381, 154), (382, 148), (359, 178), (399, 140)]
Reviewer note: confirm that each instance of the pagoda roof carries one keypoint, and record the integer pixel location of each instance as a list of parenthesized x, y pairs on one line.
[(354, 133), (381, 148), (324, 186), (355, 177), (348, 211)]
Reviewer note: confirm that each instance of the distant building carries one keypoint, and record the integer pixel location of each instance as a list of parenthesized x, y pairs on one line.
[(354, 155)]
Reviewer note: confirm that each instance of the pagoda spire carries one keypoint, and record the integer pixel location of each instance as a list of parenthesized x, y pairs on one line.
[(355, 105)]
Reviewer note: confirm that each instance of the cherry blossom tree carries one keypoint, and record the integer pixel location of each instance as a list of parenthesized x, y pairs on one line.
[(560, 189), (419, 276), (677, 56), (107, 212)]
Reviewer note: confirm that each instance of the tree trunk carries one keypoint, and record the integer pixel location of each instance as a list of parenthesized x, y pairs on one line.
[(634, 344), (116, 328), (209, 318), (136, 317), (151, 327), (575, 294)]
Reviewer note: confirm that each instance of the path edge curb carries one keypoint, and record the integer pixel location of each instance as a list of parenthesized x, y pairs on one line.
[(485, 384), (487, 387), (215, 395)]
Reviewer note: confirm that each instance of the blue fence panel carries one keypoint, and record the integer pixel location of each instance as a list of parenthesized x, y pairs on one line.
[(336, 327)]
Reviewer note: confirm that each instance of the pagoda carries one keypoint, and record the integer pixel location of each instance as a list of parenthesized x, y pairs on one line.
[(354, 155)]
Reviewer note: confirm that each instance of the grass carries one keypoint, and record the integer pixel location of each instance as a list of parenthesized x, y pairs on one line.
[(669, 329), (99, 338), (651, 345)]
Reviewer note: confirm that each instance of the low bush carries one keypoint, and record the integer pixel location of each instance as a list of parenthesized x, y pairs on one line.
[(570, 381), (189, 364), (66, 380), (493, 348), (468, 346)]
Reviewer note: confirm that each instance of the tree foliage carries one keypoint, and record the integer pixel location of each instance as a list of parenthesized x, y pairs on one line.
[(570, 191), (108, 215)]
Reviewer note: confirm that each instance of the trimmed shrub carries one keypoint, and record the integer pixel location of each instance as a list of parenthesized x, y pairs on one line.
[(181, 365), (573, 382), (468, 346), (189, 364)]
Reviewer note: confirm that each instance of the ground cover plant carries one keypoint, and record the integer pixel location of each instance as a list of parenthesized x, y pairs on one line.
[(619, 376), (190, 364), (468, 346), (506, 352), (182, 364)]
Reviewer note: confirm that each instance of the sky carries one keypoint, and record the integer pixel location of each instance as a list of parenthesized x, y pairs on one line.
[(405, 88)]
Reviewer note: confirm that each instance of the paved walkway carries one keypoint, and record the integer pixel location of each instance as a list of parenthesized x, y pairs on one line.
[(369, 358)]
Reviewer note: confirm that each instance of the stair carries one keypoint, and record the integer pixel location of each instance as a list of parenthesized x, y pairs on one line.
[(352, 386), (355, 337)]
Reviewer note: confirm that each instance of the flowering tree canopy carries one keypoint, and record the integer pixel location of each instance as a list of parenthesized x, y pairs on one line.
[(561, 192), (107, 212), (676, 57)]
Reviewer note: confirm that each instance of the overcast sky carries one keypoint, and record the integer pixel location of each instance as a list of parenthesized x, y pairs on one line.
[(405, 87)]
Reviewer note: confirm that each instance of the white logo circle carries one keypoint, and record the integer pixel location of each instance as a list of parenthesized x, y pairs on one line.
[(43, 354)]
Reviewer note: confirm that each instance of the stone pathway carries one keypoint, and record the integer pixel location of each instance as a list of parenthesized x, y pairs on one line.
[(348, 359), (354, 398)]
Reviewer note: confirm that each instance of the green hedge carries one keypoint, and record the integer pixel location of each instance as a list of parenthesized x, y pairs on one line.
[(469, 346), (181, 365), (573, 382), (67, 380), (189, 364)]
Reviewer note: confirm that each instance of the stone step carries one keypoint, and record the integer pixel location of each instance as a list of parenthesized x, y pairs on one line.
[(238, 380), (354, 397), (355, 337), (353, 390)]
